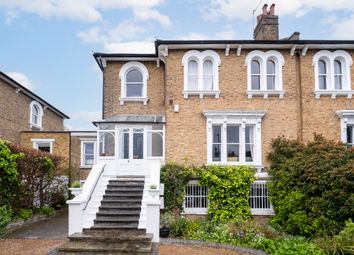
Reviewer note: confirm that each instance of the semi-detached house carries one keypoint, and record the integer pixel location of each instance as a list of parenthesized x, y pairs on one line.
[(219, 102)]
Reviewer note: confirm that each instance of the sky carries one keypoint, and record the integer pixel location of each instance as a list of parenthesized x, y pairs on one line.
[(47, 45)]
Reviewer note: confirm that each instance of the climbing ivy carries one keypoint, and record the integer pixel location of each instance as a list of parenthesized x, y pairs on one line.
[(229, 188)]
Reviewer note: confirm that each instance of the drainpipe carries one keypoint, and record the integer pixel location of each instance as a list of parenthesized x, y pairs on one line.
[(300, 101)]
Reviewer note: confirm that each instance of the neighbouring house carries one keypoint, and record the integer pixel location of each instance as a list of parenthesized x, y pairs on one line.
[(28, 120), (213, 102)]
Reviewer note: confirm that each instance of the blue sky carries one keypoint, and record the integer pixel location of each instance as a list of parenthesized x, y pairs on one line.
[(47, 45)]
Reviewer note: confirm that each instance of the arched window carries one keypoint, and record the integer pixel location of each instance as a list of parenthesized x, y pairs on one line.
[(208, 75), (134, 83), (201, 73), (322, 74), (338, 75), (133, 76), (36, 114), (332, 73), (255, 75), (192, 75), (264, 73), (271, 75)]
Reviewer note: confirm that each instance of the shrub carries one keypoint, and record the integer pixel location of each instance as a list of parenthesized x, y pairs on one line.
[(46, 210), (9, 177), (5, 215), (312, 186), (175, 177), (24, 214), (229, 188)]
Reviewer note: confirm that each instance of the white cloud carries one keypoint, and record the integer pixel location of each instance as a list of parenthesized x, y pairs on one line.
[(242, 9), (82, 120), (83, 10), (146, 14), (226, 34), (193, 36), (86, 115), (343, 29), (22, 79), (130, 47)]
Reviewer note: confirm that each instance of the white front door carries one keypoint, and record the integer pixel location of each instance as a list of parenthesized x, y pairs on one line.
[(131, 152)]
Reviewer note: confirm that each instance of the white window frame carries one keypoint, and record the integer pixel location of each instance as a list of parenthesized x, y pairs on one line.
[(194, 209), (243, 119), (346, 119), (200, 57), (40, 115), (262, 210), (82, 161), (329, 58), (37, 141), (122, 76), (262, 57)]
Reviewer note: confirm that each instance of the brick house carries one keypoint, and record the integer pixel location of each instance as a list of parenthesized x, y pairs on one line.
[(214, 102), (28, 120)]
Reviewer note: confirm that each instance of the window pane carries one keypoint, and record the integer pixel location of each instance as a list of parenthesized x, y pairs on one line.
[(43, 147), (249, 139), (134, 76), (255, 67), (337, 67), (88, 148), (208, 82), (155, 144), (233, 134), (193, 82), (249, 134), (249, 153), (216, 134), (270, 67), (322, 67), (192, 67), (89, 159), (271, 82), (135, 90), (207, 67), (338, 81), (138, 145), (322, 82), (350, 139), (216, 152), (255, 82), (106, 144), (233, 152)]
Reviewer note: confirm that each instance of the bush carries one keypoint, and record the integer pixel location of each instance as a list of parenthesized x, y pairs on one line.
[(24, 214), (312, 186), (175, 178), (46, 210), (9, 177), (229, 188), (76, 184), (5, 215), (39, 174)]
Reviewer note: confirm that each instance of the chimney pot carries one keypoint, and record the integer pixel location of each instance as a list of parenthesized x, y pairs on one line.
[(264, 9), (271, 11)]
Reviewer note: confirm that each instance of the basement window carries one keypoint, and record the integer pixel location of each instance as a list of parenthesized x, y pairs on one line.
[(45, 145)]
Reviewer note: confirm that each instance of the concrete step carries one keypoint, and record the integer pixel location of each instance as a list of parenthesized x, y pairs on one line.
[(124, 189), (113, 231), (112, 207), (115, 226), (126, 185), (118, 212), (112, 237), (122, 196), (116, 219), (121, 203)]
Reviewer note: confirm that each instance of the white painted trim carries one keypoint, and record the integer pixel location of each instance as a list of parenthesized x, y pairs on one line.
[(265, 93), (200, 57), (346, 118), (201, 94), (122, 76), (329, 57), (93, 134), (36, 141), (262, 57), (40, 115), (82, 158)]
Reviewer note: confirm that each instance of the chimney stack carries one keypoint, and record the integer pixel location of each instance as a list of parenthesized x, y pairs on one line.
[(267, 24)]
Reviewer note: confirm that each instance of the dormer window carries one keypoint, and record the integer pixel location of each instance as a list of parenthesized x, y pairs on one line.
[(133, 76), (201, 73), (264, 73), (332, 73), (36, 114)]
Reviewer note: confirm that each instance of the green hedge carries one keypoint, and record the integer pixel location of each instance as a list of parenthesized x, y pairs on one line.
[(312, 187)]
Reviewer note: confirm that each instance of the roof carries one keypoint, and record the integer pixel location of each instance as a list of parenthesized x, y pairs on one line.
[(30, 94), (132, 118)]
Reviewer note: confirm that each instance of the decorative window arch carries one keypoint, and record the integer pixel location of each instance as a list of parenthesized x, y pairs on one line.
[(36, 115), (133, 76), (201, 73), (264, 73), (332, 73)]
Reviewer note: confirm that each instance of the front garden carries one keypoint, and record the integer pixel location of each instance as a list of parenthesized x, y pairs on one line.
[(311, 190), (30, 183)]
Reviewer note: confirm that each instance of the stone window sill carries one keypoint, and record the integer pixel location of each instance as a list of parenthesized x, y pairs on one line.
[(144, 100), (334, 93), (265, 93), (201, 93)]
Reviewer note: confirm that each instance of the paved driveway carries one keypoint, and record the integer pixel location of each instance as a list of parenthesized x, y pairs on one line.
[(54, 228)]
